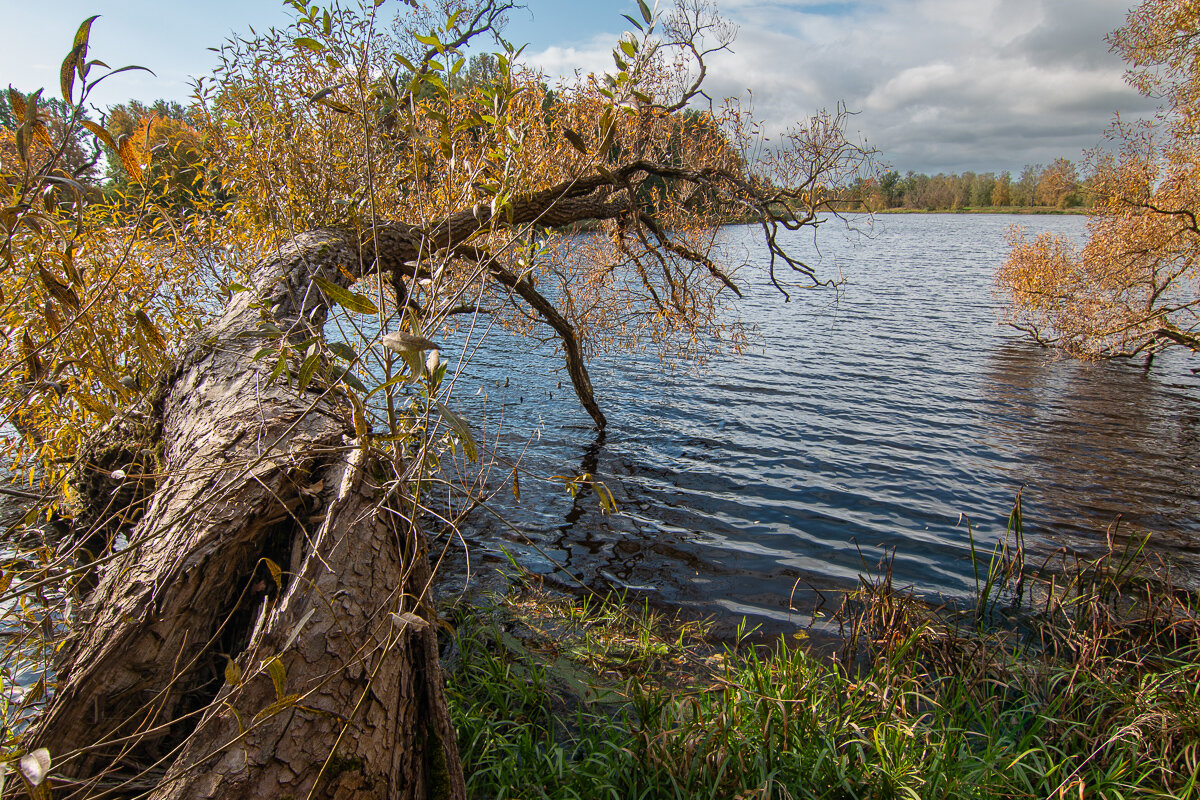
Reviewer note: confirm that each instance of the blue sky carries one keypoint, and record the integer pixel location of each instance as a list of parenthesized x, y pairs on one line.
[(172, 37), (940, 85)]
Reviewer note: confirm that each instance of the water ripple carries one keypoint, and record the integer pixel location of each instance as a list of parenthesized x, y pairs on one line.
[(849, 431)]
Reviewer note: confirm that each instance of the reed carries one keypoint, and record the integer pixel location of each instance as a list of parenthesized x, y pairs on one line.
[(1077, 678)]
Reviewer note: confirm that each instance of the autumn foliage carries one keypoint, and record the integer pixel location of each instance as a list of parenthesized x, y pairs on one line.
[(92, 294), (320, 126), (1134, 286)]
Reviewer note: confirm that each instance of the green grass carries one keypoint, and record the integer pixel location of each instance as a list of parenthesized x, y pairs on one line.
[(1078, 682)]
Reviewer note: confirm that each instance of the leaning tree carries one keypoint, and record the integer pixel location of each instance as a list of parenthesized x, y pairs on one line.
[(253, 581), (1133, 288)]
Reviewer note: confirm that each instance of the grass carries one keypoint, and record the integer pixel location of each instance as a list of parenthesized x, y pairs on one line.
[(1081, 681)]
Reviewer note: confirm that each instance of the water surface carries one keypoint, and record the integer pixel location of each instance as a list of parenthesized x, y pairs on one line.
[(870, 422)]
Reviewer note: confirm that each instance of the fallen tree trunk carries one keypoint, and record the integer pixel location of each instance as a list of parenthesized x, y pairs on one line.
[(267, 631)]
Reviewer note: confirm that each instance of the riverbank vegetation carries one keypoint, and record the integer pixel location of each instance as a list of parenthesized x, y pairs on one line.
[(1133, 288), (1075, 679), (222, 366), (222, 375)]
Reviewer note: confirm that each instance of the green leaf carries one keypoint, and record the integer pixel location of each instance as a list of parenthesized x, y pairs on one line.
[(459, 426), (633, 22), (35, 694), (306, 371), (66, 73), (130, 68), (393, 381), (645, 9), (345, 298), (324, 91), (416, 365), (309, 44), (81, 41), (629, 47), (343, 350), (608, 125), (430, 41), (85, 31), (350, 379), (31, 109)]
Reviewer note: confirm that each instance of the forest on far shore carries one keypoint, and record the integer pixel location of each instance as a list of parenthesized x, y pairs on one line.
[(1057, 186)]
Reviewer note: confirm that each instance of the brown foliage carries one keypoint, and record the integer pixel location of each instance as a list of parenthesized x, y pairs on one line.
[(1134, 286), (333, 158)]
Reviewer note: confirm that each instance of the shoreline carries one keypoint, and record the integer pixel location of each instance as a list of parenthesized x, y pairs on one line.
[(1020, 210)]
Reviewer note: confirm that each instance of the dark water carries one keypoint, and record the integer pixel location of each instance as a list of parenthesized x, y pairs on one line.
[(847, 430)]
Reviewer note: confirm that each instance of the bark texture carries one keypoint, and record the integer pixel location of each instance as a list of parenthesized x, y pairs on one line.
[(266, 632)]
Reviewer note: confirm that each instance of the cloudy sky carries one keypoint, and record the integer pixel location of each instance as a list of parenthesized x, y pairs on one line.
[(939, 85)]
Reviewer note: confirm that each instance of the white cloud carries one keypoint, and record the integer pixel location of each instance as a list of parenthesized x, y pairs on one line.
[(594, 55), (941, 85)]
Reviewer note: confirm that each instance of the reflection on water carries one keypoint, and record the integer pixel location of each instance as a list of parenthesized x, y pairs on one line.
[(848, 431), (1096, 441)]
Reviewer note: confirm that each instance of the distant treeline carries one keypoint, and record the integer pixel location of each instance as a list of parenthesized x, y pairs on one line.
[(1056, 186)]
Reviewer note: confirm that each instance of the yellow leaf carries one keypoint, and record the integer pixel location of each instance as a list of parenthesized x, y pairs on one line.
[(576, 140), (130, 158), (17, 101), (276, 572), (100, 133), (149, 330), (278, 676), (233, 673)]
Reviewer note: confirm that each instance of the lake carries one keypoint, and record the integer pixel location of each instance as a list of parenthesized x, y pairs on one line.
[(874, 421)]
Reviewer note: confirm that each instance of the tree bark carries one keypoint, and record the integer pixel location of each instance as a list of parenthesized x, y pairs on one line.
[(572, 350), (267, 631)]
